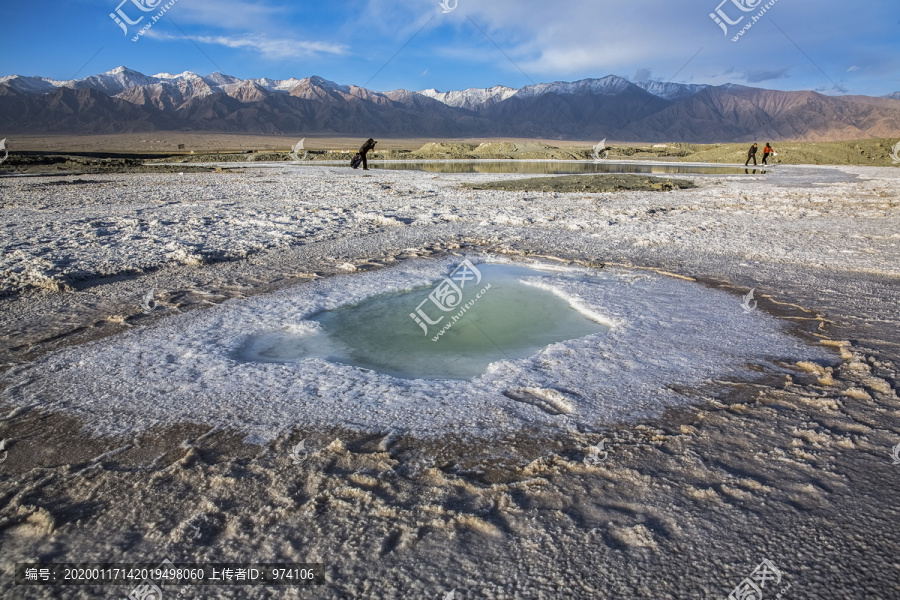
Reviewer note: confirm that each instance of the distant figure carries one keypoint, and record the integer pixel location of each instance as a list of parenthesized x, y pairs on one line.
[(766, 152), (752, 154), (369, 145)]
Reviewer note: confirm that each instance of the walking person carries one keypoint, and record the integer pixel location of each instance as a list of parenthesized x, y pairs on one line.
[(369, 145), (766, 152), (752, 154)]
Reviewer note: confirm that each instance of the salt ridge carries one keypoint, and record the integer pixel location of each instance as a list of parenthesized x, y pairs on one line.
[(670, 333)]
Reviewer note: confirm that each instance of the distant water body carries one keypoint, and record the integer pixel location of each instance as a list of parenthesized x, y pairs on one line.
[(557, 167)]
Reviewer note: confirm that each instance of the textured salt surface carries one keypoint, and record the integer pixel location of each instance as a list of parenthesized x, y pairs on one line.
[(797, 469), (666, 333), (58, 236)]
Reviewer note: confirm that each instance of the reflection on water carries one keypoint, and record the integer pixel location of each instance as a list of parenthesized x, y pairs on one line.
[(557, 167)]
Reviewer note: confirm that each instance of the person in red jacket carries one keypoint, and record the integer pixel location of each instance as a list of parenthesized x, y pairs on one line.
[(766, 152)]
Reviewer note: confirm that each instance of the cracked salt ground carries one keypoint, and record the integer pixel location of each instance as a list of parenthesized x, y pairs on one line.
[(792, 466), (665, 334)]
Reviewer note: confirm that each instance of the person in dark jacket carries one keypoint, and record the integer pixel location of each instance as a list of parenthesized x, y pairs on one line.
[(752, 154), (369, 145)]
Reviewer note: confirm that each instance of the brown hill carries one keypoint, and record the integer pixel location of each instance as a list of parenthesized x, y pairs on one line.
[(612, 108)]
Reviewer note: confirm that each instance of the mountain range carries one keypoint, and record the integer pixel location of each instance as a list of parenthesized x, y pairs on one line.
[(125, 101)]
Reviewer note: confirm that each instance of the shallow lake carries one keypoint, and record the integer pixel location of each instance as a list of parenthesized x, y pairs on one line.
[(451, 330), (558, 167)]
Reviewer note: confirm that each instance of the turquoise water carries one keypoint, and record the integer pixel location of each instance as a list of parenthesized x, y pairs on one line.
[(494, 316)]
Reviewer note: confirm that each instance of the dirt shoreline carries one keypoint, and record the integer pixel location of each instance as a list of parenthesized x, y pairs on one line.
[(110, 154)]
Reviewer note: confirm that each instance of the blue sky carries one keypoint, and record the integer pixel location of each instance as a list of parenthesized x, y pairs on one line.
[(828, 46)]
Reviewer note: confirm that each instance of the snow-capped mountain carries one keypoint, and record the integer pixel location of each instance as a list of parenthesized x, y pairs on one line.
[(113, 82), (608, 86), (124, 100), (477, 98), (670, 91), (30, 85), (128, 84), (214, 80), (472, 98), (122, 82)]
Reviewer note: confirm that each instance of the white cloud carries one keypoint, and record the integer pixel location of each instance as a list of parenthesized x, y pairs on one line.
[(591, 38), (268, 47), (253, 15), (275, 48), (853, 68), (261, 26), (546, 41), (545, 38)]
